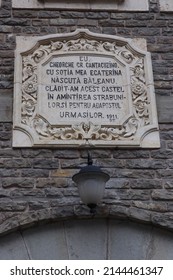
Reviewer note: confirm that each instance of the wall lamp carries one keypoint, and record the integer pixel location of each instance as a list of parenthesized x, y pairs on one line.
[(91, 181)]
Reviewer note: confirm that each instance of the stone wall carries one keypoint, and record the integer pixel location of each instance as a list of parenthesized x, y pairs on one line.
[(35, 184)]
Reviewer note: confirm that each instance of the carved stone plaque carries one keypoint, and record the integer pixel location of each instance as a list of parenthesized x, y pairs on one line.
[(90, 5), (83, 88)]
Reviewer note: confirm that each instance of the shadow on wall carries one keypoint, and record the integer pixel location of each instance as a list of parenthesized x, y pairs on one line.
[(88, 239)]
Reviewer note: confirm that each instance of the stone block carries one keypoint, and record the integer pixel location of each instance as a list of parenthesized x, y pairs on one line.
[(139, 214), (162, 153), (53, 192), (12, 247), (170, 163), (63, 201), (105, 162), (53, 182), (66, 153), (131, 154), (12, 182), (126, 194), (163, 241), (25, 13), (37, 153), (28, 218), (170, 206), (62, 212), (9, 152), (17, 163), (43, 22), (9, 173), (2, 38), (47, 14), (57, 21), (29, 193), (156, 206), (145, 184), (168, 174), (36, 173), (128, 241), (3, 193), (119, 211), (6, 107), (87, 239), (49, 243), (167, 135), (6, 29), (165, 108), (145, 164), (72, 163), (118, 183), (60, 173), (36, 205), (45, 164), (96, 15), (131, 173), (162, 195), (5, 136), (163, 219), (168, 184)]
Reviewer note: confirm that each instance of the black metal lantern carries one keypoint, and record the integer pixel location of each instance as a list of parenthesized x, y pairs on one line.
[(91, 182)]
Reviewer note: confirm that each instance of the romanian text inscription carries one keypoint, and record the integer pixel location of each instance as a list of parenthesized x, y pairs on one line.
[(83, 88), (80, 87)]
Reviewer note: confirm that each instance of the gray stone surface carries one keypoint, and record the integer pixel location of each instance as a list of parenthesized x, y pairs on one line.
[(128, 241), (162, 195), (161, 245), (166, 5), (165, 108), (92, 237), (6, 106), (88, 240), (13, 247), (50, 243)]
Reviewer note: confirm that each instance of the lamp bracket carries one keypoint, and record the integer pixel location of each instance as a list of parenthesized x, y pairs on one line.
[(90, 161)]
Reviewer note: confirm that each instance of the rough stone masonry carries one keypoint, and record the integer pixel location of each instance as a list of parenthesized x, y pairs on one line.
[(36, 184)]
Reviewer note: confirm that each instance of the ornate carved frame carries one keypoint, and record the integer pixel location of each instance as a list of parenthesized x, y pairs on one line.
[(30, 129), (166, 5)]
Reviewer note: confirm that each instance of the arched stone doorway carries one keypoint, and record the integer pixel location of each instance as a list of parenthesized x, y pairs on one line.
[(88, 239)]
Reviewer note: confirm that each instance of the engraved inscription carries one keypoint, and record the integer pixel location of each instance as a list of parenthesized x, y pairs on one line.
[(84, 86)]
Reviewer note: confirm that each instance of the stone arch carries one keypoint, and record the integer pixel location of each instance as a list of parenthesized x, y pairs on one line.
[(11, 221), (79, 239)]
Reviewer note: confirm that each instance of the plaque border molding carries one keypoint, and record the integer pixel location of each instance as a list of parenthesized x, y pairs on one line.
[(166, 5), (110, 5), (30, 129)]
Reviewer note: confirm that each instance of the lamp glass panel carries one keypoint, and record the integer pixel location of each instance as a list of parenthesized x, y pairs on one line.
[(91, 187)]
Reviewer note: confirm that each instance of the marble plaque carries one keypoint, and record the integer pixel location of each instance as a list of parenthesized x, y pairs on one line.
[(90, 5), (166, 5), (83, 88)]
